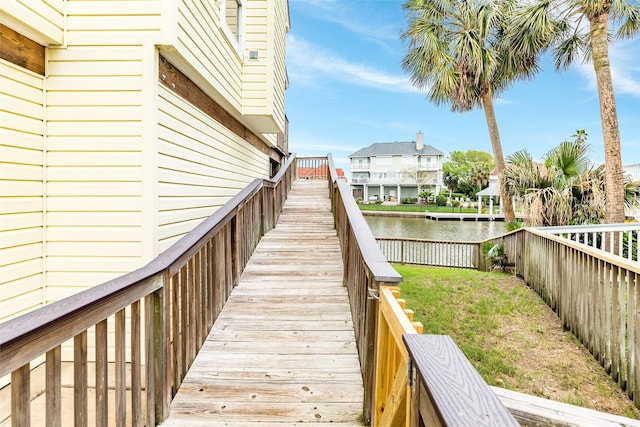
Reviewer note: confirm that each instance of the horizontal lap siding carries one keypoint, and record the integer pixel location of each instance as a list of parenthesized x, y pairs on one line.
[(256, 71), (21, 186), (279, 77), (40, 20), (265, 78), (201, 42), (95, 142), (201, 165)]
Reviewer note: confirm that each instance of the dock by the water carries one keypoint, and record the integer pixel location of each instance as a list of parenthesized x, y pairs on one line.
[(455, 216), (440, 216)]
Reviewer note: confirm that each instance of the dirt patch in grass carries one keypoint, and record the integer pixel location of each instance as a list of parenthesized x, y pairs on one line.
[(511, 336)]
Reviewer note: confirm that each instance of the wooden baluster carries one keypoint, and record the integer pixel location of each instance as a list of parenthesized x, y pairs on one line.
[(21, 397), (120, 371), (102, 383), (136, 372), (80, 375), (53, 387)]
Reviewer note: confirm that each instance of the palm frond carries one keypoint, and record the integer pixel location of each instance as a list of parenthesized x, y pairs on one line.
[(628, 16), (567, 51)]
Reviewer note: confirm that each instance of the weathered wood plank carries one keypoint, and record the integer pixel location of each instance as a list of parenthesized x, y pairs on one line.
[(282, 351)]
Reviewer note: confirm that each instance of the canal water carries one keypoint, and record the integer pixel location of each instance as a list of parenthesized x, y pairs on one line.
[(422, 228)]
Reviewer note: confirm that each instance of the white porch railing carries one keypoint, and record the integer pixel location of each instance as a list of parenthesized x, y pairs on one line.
[(620, 239)]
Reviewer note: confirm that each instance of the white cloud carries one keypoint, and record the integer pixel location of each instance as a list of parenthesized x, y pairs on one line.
[(309, 63), (351, 18), (624, 57)]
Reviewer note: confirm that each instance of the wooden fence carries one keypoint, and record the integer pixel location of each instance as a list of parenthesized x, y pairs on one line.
[(595, 294), (439, 253), (171, 303)]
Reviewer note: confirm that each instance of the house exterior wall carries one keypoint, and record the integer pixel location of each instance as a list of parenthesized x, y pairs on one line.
[(21, 187), (39, 20), (201, 165), (394, 175), (124, 166), (98, 137)]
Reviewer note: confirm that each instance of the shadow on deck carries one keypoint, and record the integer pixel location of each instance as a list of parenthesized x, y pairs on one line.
[(282, 350)]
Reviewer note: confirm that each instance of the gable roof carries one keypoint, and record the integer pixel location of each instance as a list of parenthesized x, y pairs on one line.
[(396, 149)]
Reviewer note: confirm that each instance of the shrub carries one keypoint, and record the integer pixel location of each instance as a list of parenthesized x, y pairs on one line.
[(441, 200)]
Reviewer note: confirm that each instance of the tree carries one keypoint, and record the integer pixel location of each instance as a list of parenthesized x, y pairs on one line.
[(567, 189), (564, 190), (560, 24), (457, 50), (471, 168), (420, 177)]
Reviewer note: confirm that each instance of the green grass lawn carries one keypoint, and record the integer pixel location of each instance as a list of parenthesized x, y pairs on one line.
[(512, 338), (416, 208), (467, 305)]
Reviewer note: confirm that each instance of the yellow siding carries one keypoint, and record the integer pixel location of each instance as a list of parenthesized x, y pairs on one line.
[(279, 77), (202, 45), (201, 165), (21, 184), (39, 20), (117, 173), (265, 78), (96, 144)]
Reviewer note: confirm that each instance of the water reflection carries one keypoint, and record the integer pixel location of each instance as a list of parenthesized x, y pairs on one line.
[(421, 228)]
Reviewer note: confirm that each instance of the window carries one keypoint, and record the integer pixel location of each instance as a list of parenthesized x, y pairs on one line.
[(231, 14), (407, 160), (384, 161)]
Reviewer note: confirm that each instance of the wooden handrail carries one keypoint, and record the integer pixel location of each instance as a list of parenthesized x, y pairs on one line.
[(392, 392), (365, 270), (180, 293), (447, 390)]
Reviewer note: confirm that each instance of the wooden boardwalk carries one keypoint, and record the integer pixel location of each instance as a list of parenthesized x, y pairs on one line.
[(282, 352)]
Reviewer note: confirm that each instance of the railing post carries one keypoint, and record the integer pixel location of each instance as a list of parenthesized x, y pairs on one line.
[(162, 370)]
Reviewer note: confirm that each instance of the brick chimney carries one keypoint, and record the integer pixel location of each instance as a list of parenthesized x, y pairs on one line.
[(419, 141)]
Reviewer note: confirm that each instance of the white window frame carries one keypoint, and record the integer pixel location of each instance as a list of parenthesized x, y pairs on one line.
[(236, 40)]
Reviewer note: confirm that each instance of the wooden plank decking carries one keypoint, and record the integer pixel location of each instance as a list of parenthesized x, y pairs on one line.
[(282, 352)]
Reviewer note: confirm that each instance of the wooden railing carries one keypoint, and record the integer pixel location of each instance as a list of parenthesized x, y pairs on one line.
[(439, 253), (380, 321), (159, 315), (595, 294), (392, 391), (446, 390), (620, 239), (365, 270)]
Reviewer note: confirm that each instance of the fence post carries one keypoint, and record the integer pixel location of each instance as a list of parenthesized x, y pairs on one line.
[(162, 382), (161, 369)]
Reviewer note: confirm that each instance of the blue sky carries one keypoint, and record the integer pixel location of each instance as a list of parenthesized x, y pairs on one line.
[(347, 90)]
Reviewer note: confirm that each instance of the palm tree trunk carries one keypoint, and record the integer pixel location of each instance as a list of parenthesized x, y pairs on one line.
[(614, 182), (494, 135)]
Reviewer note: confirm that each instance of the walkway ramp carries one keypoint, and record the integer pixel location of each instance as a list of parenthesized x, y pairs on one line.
[(282, 352)]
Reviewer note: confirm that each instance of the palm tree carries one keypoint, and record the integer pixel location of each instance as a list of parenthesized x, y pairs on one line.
[(457, 50), (564, 190), (542, 24)]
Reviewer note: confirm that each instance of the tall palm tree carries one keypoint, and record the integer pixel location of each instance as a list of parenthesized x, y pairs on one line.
[(559, 24), (458, 52)]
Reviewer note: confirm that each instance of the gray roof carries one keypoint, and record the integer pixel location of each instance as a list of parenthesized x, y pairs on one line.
[(396, 149), (493, 189)]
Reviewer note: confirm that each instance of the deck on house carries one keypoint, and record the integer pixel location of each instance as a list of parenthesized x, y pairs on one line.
[(282, 352)]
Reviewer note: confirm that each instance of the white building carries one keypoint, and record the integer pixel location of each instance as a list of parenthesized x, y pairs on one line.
[(396, 170)]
